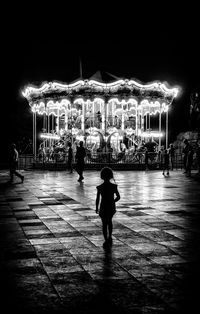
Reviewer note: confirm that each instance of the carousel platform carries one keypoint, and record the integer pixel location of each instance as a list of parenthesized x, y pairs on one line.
[(28, 162)]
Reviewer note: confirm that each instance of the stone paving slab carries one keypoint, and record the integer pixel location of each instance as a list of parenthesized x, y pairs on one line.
[(52, 259)]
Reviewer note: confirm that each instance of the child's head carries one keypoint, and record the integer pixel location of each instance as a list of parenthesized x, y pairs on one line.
[(106, 173)]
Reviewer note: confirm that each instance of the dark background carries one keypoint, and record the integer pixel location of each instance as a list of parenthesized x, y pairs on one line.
[(46, 45)]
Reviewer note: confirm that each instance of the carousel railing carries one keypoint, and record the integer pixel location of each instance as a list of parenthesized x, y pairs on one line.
[(92, 158), (26, 161)]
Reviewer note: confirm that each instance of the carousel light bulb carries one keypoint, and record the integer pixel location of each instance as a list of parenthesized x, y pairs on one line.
[(50, 136), (151, 134)]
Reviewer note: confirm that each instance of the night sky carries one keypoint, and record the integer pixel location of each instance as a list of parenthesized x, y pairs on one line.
[(38, 52)]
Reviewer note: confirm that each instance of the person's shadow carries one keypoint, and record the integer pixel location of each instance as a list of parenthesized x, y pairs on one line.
[(105, 285), (107, 261)]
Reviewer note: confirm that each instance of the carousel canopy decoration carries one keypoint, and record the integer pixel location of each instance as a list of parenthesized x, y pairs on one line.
[(50, 136), (55, 94)]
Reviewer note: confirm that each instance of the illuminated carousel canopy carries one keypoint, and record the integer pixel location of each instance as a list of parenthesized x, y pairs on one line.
[(54, 93)]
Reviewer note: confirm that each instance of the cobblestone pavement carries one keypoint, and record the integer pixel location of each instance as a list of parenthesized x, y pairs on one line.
[(52, 259)]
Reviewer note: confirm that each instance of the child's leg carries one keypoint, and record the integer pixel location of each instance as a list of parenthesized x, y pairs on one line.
[(172, 163), (104, 228)]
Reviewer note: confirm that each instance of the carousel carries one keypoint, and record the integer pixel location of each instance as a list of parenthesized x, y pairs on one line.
[(108, 117)]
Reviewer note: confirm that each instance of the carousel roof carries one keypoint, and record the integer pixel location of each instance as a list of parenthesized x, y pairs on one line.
[(96, 87), (104, 77)]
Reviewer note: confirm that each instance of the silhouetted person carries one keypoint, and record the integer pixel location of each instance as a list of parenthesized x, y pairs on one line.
[(70, 158), (125, 141), (171, 155), (166, 162), (80, 160), (198, 156), (107, 192), (150, 145), (146, 158), (13, 163), (161, 156), (99, 119), (150, 149), (188, 157), (41, 153), (185, 153)]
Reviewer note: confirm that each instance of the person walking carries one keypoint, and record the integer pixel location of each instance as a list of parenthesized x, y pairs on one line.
[(188, 153), (189, 160), (198, 156), (161, 156), (70, 158), (107, 196), (185, 154), (172, 155), (146, 158), (166, 162), (80, 160), (13, 163)]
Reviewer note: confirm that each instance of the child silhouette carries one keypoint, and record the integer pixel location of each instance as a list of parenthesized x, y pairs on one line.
[(107, 209)]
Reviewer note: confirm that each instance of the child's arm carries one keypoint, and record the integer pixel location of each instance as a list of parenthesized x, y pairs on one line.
[(117, 198), (97, 201)]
